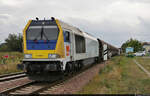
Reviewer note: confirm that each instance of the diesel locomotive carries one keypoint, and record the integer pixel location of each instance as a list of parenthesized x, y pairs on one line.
[(53, 48)]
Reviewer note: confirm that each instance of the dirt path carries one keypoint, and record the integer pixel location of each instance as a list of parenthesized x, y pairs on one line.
[(76, 83)]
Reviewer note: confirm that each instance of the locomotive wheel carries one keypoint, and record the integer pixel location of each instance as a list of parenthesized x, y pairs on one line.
[(68, 69), (79, 66), (75, 67)]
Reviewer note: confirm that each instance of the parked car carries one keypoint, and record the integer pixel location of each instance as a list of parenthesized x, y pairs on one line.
[(140, 53)]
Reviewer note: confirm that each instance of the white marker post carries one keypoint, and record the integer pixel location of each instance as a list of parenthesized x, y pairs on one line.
[(105, 52)]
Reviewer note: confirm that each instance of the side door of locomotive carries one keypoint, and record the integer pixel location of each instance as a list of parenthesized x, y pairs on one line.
[(68, 44)]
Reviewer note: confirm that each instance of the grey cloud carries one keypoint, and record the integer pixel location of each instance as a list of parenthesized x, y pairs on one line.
[(114, 21), (4, 16), (139, 1)]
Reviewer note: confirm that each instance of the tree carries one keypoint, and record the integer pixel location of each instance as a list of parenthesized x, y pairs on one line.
[(3, 47), (12, 43), (132, 43)]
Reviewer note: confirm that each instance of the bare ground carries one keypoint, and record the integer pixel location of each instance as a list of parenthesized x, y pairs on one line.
[(76, 83)]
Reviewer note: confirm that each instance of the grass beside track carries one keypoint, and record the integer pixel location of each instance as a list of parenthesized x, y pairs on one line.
[(9, 61), (120, 76), (145, 62)]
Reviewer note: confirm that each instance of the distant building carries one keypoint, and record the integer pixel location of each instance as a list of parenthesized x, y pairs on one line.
[(146, 46), (120, 51)]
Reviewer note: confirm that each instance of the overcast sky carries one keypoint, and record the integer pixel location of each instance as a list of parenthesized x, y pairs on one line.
[(114, 21)]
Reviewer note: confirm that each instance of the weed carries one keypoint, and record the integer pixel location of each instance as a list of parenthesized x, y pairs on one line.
[(9, 61), (122, 76), (106, 69)]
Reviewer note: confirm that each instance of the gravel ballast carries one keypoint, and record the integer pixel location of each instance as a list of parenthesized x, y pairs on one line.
[(76, 83), (13, 83)]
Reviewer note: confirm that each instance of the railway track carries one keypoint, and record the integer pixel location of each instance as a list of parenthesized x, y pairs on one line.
[(12, 76), (7, 91), (39, 87), (34, 87), (31, 88)]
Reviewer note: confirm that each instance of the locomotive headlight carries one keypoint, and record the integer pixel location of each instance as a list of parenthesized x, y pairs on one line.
[(27, 56), (53, 56)]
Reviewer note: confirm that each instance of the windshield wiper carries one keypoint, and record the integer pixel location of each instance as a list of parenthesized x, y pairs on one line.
[(45, 36), (37, 36), (41, 34)]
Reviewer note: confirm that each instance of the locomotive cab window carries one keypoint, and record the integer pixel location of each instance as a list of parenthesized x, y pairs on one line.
[(67, 36), (80, 44), (42, 33)]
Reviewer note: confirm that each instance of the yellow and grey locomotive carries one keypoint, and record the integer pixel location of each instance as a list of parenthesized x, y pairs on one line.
[(52, 48)]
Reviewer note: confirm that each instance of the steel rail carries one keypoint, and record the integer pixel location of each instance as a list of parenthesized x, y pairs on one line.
[(12, 77), (11, 74), (7, 91)]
